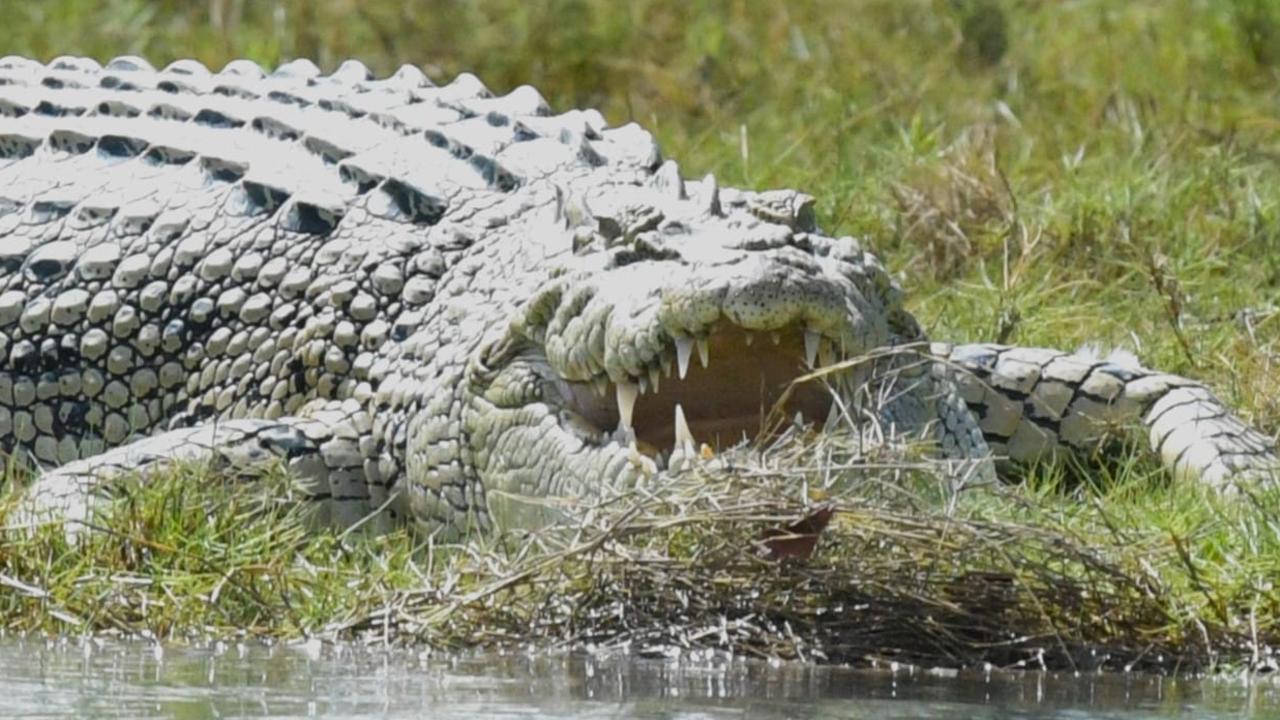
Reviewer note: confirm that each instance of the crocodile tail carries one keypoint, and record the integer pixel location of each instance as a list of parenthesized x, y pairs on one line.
[(1035, 404)]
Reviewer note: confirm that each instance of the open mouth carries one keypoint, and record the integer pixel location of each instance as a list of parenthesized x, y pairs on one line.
[(719, 390)]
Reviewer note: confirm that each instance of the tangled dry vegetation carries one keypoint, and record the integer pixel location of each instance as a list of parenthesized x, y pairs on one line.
[(823, 549)]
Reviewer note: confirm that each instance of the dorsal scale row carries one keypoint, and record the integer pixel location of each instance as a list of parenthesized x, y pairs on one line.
[(180, 243), (465, 122)]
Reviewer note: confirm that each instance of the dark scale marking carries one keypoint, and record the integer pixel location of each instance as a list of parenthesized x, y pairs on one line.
[(1124, 375), (286, 98), (71, 141), (11, 109), (276, 129), (495, 176), (363, 179), (72, 418), (267, 197), (120, 146), (50, 355), (216, 119), (118, 109), (24, 357), (235, 91), (1045, 422), (163, 155), (312, 219), (332, 154), (165, 111), (46, 211), (69, 350), (1077, 390), (227, 171), (53, 110), (18, 146), (418, 206), (1177, 459), (173, 87)]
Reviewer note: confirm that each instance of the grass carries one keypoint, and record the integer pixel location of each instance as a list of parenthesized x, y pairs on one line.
[(1041, 173)]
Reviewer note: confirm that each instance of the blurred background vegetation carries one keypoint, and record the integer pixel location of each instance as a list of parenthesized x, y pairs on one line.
[(1042, 172)]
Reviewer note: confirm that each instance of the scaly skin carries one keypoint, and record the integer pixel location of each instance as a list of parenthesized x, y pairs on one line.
[(425, 300)]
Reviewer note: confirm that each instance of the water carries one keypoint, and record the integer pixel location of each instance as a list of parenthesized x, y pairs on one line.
[(70, 679)]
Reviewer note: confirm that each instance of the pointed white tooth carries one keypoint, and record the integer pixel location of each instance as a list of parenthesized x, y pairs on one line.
[(627, 394), (704, 352), (776, 337), (811, 342), (749, 338), (799, 419), (655, 376), (643, 382), (601, 386), (684, 438), (684, 348)]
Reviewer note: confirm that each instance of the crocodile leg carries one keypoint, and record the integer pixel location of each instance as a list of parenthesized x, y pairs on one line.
[(325, 449), (911, 394), (1034, 403)]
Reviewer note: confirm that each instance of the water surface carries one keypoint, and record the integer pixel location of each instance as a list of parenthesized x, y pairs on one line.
[(40, 679)]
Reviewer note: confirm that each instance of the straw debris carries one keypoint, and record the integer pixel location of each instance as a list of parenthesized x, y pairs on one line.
[(913, 566)]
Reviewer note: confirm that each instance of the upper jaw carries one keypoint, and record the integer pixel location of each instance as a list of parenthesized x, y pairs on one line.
[(696, 361)]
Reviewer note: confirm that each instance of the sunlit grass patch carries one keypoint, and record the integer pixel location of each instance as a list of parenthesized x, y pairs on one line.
[(1130, 572)]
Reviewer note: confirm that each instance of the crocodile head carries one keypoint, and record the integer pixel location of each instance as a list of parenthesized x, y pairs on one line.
[(666, 316)]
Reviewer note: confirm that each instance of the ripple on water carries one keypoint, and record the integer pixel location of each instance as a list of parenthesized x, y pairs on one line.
[(63, 678)]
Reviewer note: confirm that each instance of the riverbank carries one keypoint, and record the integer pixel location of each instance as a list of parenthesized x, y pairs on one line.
[(911, 566)]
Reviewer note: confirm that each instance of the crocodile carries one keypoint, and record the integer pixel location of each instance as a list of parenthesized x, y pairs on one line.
[(430, 302)]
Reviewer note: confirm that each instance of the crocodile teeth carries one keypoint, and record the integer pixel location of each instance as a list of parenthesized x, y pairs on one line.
[(748, 339), (684, 437), (811, 342), (627, 394), (643, 382), (776, 337), (684, 348), (704, 352), (655, 375)]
